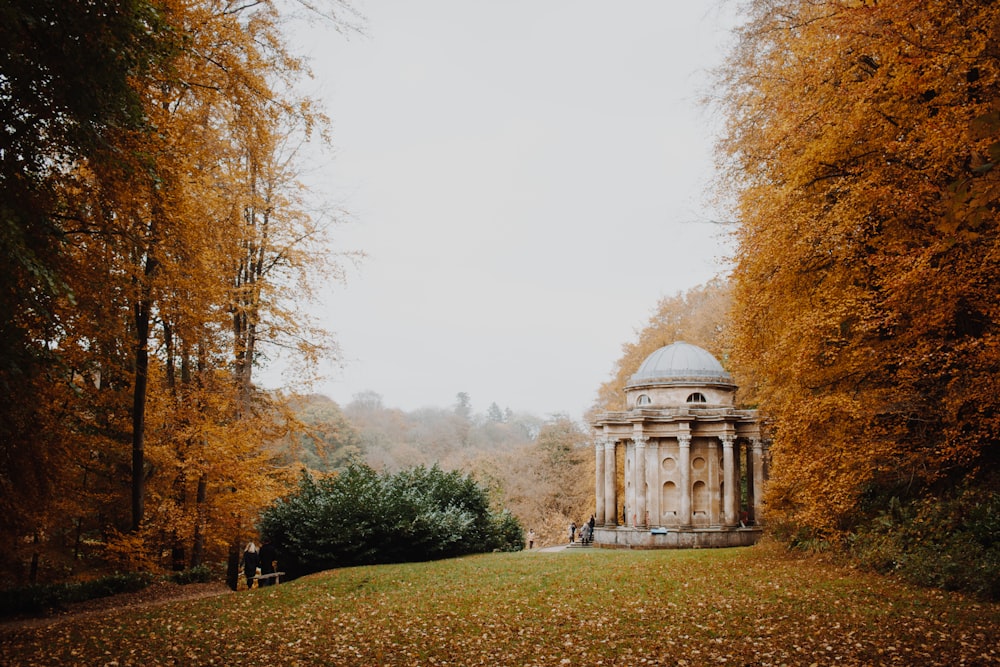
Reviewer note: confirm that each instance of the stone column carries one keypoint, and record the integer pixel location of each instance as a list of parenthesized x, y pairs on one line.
[(653, 468), (599, 477), (758, 478), (751, 489), (610, 477), (729, 511), (684, 467), (640, 480), (714, 493)]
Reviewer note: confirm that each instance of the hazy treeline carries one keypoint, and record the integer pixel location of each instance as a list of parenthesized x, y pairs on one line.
[(541, 469)]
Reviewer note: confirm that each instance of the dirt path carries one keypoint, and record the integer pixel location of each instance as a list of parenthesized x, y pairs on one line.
[(150, 596)]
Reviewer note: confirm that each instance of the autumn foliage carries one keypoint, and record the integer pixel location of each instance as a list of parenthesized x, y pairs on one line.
[(155, 231), (861, 156), (698, 316)]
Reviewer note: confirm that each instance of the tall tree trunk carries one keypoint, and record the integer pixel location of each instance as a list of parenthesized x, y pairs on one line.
[(142, 313), (139, 413), (198, 548)]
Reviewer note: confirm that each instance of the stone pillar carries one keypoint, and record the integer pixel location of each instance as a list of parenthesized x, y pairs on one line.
[(738, 477), (610, 477), (628, 480), (599, 477), (640, 480), (684, 468), (751, 490), (729, 510), (714, 492), (654, 470), (758, 478)]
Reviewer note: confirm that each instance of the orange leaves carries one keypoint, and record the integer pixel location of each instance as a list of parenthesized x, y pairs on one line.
[(157, 226), (697, 316), (860, 144)]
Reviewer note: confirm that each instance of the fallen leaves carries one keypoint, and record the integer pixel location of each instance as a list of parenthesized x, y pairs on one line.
[(739, 607)]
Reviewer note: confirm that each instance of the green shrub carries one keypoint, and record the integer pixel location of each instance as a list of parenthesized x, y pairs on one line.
[(199, 574), (361, 517), (950, 542)]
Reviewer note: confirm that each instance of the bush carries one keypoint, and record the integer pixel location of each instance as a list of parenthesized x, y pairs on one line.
[(951, 542), (199, 574), (360, 517), (45, 597)]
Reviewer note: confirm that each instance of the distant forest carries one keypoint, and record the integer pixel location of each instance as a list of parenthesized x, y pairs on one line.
[(539, 469)]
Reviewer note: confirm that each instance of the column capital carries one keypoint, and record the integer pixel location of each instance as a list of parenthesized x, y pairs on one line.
[(640, 441), (684, 439), (728, 439)]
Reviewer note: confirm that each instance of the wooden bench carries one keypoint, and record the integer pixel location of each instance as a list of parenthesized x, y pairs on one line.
[(265, 577)]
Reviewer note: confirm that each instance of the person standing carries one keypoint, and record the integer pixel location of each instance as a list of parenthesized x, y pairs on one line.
[(572, 532), (268, 560), (531, 538), (251, 558)]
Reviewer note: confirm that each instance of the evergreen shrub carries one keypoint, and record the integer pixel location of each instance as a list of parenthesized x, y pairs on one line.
[(951, 541), (361, 517)]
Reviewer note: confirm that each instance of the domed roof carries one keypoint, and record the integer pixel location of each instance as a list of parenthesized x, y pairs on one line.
[(680, 362)]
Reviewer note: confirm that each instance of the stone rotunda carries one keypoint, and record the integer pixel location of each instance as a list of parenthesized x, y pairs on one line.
[(681, 466)]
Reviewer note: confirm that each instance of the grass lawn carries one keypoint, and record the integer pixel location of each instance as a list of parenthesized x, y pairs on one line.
[(752, 606)]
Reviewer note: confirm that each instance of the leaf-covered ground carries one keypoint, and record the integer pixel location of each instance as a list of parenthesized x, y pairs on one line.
[(754, 606)]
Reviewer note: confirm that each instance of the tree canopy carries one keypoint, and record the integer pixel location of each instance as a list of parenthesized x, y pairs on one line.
[(698, 316), (861, 156), (156, 240)]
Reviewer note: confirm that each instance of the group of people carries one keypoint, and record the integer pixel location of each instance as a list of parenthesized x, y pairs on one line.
[(586, 531), (264, 560)]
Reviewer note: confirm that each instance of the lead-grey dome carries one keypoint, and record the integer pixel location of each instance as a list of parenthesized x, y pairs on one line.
[(680, 362)]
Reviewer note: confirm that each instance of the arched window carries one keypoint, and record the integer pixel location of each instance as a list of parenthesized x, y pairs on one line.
[(643, 400), (697, 397)]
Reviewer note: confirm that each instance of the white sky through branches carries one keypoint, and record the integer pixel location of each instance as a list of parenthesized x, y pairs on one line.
[(527, 179)]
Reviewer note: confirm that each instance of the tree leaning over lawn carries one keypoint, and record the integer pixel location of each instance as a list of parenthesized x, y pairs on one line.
[(861, 155)]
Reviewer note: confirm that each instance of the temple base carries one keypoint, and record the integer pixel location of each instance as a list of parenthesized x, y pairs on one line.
[(675, 538)]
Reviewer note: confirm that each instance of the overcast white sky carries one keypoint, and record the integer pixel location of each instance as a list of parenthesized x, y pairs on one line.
[(528, 178)]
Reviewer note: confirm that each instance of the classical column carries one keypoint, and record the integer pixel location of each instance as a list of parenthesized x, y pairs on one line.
[(684, 466), (599, 477), (714, 493), (758, 478), (640, 480), (653, 476), (730, 481), (751, 489), (610, 477)]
